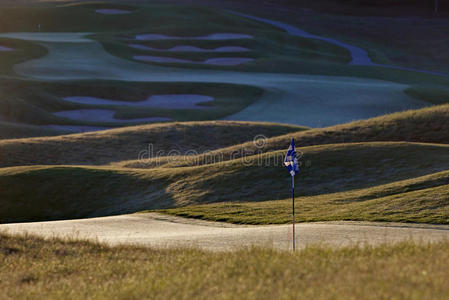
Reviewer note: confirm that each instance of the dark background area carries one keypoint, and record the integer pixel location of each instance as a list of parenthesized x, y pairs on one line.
[(350, 7), (366, 7)]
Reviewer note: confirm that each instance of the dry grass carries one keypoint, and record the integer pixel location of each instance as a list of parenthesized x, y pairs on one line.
[(55, 192), (62, 191), (428, 125), (31, 267), (114, 145), (421, 200)]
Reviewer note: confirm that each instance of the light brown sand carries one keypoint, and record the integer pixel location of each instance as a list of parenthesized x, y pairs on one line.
[(158, 230)]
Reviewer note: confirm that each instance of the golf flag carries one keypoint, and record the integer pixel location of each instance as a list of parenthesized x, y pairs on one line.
[(290, 161)]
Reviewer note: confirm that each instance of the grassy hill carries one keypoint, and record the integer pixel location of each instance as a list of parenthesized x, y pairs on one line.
[(344, 174), (58, 192), (127, 143), (423, 200), (11, 130), (123, 145), (429, 125)]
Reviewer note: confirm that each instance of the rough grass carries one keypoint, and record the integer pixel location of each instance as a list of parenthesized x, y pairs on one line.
[(70, 269), (131, 142), (429, 125), (429, 93), (167, 19), (76, 192), (10, 130), (225, 176), (420, 200), (58, 192)]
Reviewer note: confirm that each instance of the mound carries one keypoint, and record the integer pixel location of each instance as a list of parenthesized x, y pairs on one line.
[(430, 125), (54, 192), (10, 130), (128, 143), (422, 200)]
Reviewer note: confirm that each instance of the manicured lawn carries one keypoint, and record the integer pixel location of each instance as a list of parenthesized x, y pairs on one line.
[(22, 51)]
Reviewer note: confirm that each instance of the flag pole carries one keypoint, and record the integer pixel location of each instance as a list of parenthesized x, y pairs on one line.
[(293, 209)]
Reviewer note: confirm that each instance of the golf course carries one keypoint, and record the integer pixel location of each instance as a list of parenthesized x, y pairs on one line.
[(143, 149)]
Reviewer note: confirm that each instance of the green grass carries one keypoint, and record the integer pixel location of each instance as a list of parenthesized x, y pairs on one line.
[(32, 102), (272, 48), (11, 130), (71, 269), (269, 48), (429, 93), (23, 51), (274, 51), (393, 39), (170, 19)]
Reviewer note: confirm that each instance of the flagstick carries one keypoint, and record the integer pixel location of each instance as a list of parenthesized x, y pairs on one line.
[(293, 209)]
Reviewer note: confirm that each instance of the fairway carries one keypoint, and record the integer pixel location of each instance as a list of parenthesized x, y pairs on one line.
[(220, 53), (344, 100)]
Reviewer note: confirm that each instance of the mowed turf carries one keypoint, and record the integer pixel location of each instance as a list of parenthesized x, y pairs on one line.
[(73, 269), (392, 33), (33, 102), (22, 51), (270, 44)]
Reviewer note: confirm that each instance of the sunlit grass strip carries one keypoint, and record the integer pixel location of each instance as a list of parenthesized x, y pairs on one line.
[(420, 200)]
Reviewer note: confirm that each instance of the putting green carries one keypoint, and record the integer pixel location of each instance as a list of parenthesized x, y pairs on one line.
[(289, 98)]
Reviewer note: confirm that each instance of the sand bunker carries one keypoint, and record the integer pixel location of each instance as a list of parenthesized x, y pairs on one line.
[(185, 48), (3, 48), (76, 128), (289, 98), (112, 11), (102, 115), (160, 59), (224, 61), (228, 61), (211, 37), (157, 230), (181, 101)]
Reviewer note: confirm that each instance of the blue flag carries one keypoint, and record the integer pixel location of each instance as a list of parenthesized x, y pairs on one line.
[(290, 161)]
